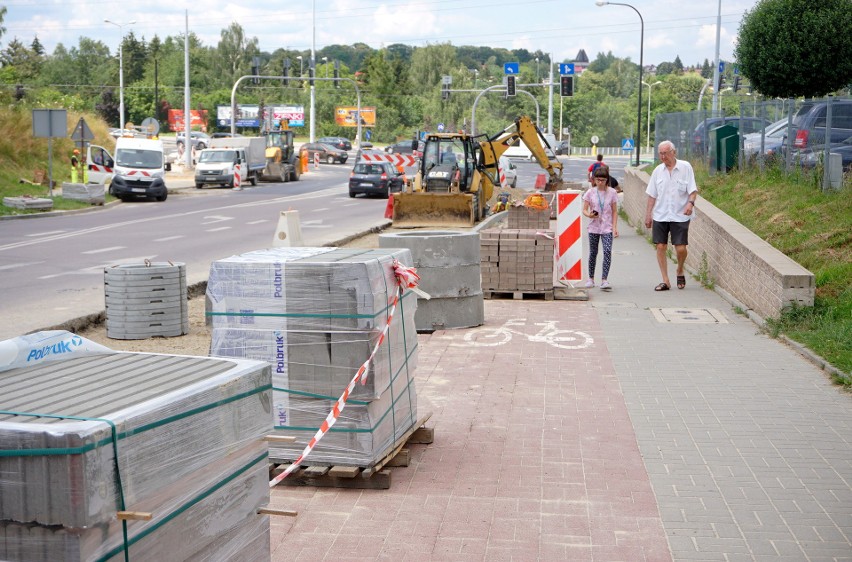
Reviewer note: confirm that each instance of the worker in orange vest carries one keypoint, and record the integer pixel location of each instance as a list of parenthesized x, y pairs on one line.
[(75, 166)]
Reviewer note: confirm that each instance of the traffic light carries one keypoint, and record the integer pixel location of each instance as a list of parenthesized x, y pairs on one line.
[(510, 85), (736, 82), (337, 74), (567, 83), (286, 73), (255, 70), (721, 82), (311, 71), (445, 91)]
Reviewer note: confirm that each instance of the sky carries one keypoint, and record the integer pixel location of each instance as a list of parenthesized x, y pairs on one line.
[(559, 27)]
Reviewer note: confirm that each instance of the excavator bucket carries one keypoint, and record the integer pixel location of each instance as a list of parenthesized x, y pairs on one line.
[(433, 209)]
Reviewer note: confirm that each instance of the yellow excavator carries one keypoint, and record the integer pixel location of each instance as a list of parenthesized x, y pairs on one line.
[(282, 161), (458, 174)]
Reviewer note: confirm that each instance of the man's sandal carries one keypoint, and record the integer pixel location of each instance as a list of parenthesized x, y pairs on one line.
[(681, 281), (661, 287)]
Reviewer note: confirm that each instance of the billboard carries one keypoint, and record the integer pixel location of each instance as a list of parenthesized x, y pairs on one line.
[(248, 115), (346, 116), (197, 119)]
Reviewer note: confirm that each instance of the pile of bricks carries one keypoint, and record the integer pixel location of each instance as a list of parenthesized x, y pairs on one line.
[(521, 217), (516, 260)]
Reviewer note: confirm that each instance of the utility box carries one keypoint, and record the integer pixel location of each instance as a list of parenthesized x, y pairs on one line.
[(724, 147)]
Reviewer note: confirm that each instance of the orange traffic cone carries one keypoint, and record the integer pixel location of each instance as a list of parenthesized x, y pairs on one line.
[(389, 207)]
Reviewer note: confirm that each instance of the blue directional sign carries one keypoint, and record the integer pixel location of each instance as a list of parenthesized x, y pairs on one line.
[(721, 66), (566, 68), (627, 145), (511, 68), (736, 69), (440, 127)]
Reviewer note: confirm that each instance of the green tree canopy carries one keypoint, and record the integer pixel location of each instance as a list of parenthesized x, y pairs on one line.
[(790, 48)]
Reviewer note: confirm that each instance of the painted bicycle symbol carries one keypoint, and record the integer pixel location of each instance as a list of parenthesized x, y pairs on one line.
[(549, 334)]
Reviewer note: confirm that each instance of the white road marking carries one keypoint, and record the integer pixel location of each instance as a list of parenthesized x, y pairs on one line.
[(322, 209), (216, 218), (221, 228), (169, 238), (102, 250), (261, 221), (99, 269), (48, 233), (22, 264)]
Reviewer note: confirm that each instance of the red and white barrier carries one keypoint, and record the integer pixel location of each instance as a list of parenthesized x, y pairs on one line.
[(406, 160), (569, 239), (237, 179), (502, 175), (316, 160)]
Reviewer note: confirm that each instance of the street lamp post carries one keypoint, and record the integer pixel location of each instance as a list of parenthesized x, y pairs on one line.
[(641, 63), (120, 27), (648, 139), (537, 79)]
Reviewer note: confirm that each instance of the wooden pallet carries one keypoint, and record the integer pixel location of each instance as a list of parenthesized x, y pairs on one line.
[(544, 294), (375, 477)]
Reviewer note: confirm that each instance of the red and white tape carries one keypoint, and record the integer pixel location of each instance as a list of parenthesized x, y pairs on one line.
[(406, 278)]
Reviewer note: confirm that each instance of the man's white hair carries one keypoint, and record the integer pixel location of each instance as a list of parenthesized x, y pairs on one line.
[(669, 144)]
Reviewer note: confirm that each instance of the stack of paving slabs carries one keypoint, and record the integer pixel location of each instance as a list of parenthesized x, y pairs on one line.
[(316, 314), (28, 202), (516, 260), (523, 217), (92, 193), (85, 439), (146, 300)]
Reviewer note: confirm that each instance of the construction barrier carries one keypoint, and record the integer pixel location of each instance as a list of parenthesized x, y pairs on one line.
[(569, 240), (237, 179), (540, 181), (389, 207), (289, 230), (316, 160)]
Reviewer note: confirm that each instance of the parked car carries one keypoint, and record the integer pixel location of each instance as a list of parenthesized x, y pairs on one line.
[(199, 140), (810, 121), (375, 178), (774, 137), (116, 133), (811, 157), (401, 147), (326, 152), (562, 148), (510, 171), (225, 135), (337, 142), (701, 134)]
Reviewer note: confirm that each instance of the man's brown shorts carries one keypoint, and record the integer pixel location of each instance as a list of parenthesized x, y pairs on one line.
[(679, 231)]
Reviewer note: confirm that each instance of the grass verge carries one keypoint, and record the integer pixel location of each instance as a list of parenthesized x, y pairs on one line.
[(812, 227)]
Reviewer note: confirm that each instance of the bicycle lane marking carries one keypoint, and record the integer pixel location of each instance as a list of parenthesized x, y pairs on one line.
[(548, 333)]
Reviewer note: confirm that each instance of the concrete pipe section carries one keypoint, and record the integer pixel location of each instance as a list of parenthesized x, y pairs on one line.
[(448, 265)]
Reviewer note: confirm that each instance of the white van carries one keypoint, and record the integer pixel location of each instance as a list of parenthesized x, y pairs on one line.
[(137, 171)]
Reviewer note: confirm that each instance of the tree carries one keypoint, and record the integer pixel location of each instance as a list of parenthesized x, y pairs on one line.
[(678, 65), (789, 48)]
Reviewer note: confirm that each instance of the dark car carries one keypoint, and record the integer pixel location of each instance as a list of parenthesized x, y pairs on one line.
[(811, 157), (809, 123), (562, 148), (326, 153), (336, 142), (400, 147), (701, 135), (375, 178)]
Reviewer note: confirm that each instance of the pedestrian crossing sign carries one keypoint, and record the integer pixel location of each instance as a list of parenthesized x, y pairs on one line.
[(627, 145)]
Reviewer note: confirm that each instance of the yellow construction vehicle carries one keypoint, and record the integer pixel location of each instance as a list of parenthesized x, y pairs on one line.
[(458, 174), (282, 161)]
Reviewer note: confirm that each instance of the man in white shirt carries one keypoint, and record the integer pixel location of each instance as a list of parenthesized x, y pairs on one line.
[(671, 201)]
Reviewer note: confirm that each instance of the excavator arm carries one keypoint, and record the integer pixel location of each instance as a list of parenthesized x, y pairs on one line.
[(522, 129)]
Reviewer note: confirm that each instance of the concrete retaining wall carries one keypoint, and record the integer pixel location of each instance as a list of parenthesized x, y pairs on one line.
[(747, 267)]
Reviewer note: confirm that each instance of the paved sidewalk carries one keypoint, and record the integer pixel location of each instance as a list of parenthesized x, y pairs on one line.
[(629, 437)]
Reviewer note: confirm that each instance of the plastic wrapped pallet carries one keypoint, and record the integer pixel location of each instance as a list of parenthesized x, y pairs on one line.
[(168, 417), (214, 522), (315, 314)]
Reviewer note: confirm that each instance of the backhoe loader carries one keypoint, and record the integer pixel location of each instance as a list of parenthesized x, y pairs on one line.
[(282, 162), (458, 174)]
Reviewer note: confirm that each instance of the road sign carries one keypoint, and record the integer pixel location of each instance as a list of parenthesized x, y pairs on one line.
[(82, 132), (627, 145), (511, 68), (595, 139), (49, 123), (150, 127), (446, 80), (368, 134), (566, 68), (736, 69), (440, 127), (721, 66)]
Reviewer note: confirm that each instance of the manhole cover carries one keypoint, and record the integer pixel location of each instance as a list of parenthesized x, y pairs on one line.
[(689, 315), (613, 305)]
